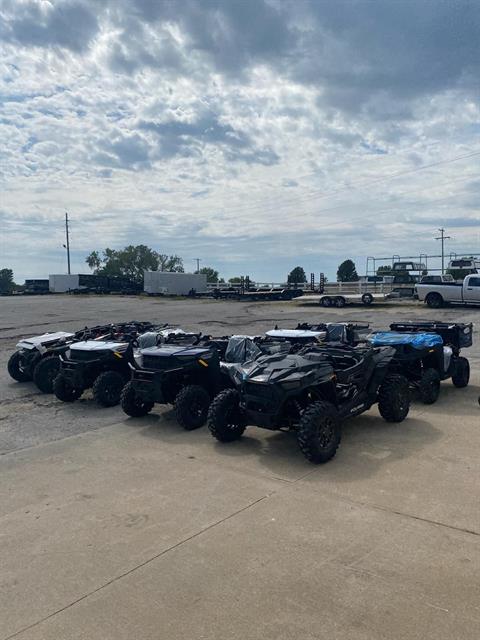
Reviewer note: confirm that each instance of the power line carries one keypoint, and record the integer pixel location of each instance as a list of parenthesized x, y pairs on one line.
[(329, 209), (319, 194)]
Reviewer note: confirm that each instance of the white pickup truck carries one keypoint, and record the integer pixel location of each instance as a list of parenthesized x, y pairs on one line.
[(437, 295)]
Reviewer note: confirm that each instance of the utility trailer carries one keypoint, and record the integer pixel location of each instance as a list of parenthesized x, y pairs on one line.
[(174, 283), (261, 294), (36, 287), (341, 299), (90, 283)]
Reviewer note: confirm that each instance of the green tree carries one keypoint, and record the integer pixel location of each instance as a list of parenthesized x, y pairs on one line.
[(6, 281), (347, 272), (170, 263), (131, 262), (212, 275), (297, 275), (384, 270), (235, 280)]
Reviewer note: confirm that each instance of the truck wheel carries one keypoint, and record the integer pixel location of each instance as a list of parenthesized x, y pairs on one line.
[(394, 398), (191, 407), (319, 432), (64, 390), (14, 370), (434, 300), (367, 298), (461, 376), (132, 404), (340, 301), (226, 421), (326, 302), (108, 387), (45, 373), (429, 386)]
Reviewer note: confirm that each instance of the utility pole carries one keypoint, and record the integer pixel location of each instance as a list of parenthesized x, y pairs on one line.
[(68, 242), (198, 264), (443, 237)]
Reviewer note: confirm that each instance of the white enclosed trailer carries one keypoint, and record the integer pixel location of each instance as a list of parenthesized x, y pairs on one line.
[(62, 282), (173, 283)]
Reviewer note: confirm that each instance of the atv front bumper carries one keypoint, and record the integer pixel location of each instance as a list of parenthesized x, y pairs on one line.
[(261, 405), (148, 385), (262, 420), (77, 373), (28, 360)]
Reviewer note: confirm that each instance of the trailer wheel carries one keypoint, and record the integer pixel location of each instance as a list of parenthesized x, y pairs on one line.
[(64, 390), (434, 300), (461, 375), (340, 301), (326, 301), (191, 407), (367, 298), (394, 398), (14, 370), (132, 404), (45, 373), (429, 386), (319, 432), (226, 421)]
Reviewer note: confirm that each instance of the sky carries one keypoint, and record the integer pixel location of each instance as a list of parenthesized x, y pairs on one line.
[(256, 135)]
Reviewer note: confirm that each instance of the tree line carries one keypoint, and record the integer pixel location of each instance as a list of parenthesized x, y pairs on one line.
[(346, 272), (133, 260)]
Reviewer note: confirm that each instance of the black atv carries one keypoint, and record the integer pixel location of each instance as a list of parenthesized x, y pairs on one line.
[(100, 364), (311, 392), (189, 376), (427, 353), (38, 358)]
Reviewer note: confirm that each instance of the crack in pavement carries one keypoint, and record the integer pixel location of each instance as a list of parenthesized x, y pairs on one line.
[(219, 522), (139, 566)]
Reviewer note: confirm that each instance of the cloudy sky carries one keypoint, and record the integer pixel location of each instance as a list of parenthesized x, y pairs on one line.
[(253, 134)]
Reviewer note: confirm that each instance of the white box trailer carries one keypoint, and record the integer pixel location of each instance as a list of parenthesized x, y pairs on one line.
[(173, 283), (63, 282)]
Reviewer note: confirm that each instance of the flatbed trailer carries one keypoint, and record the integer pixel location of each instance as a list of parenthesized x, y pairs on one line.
[(342, 299), (271, 294)]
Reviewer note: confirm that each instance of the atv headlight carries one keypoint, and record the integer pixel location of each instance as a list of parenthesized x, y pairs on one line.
[(261, 378)]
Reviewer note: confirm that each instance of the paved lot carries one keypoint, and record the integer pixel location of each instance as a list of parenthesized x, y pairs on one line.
[(115, 528)]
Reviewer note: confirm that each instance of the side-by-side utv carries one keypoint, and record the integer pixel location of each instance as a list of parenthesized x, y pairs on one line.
[(311, 392), (427, 353)]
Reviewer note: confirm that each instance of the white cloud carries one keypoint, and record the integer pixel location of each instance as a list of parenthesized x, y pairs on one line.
[(257, 135)]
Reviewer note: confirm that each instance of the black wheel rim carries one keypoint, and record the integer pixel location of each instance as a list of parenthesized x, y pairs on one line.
[(325, 432), (111, 392), (231, 419), (52, 372), (401, 403), (197, 409)]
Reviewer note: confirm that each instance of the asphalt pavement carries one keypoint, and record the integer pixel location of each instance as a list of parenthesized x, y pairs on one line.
[(113, 527)]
